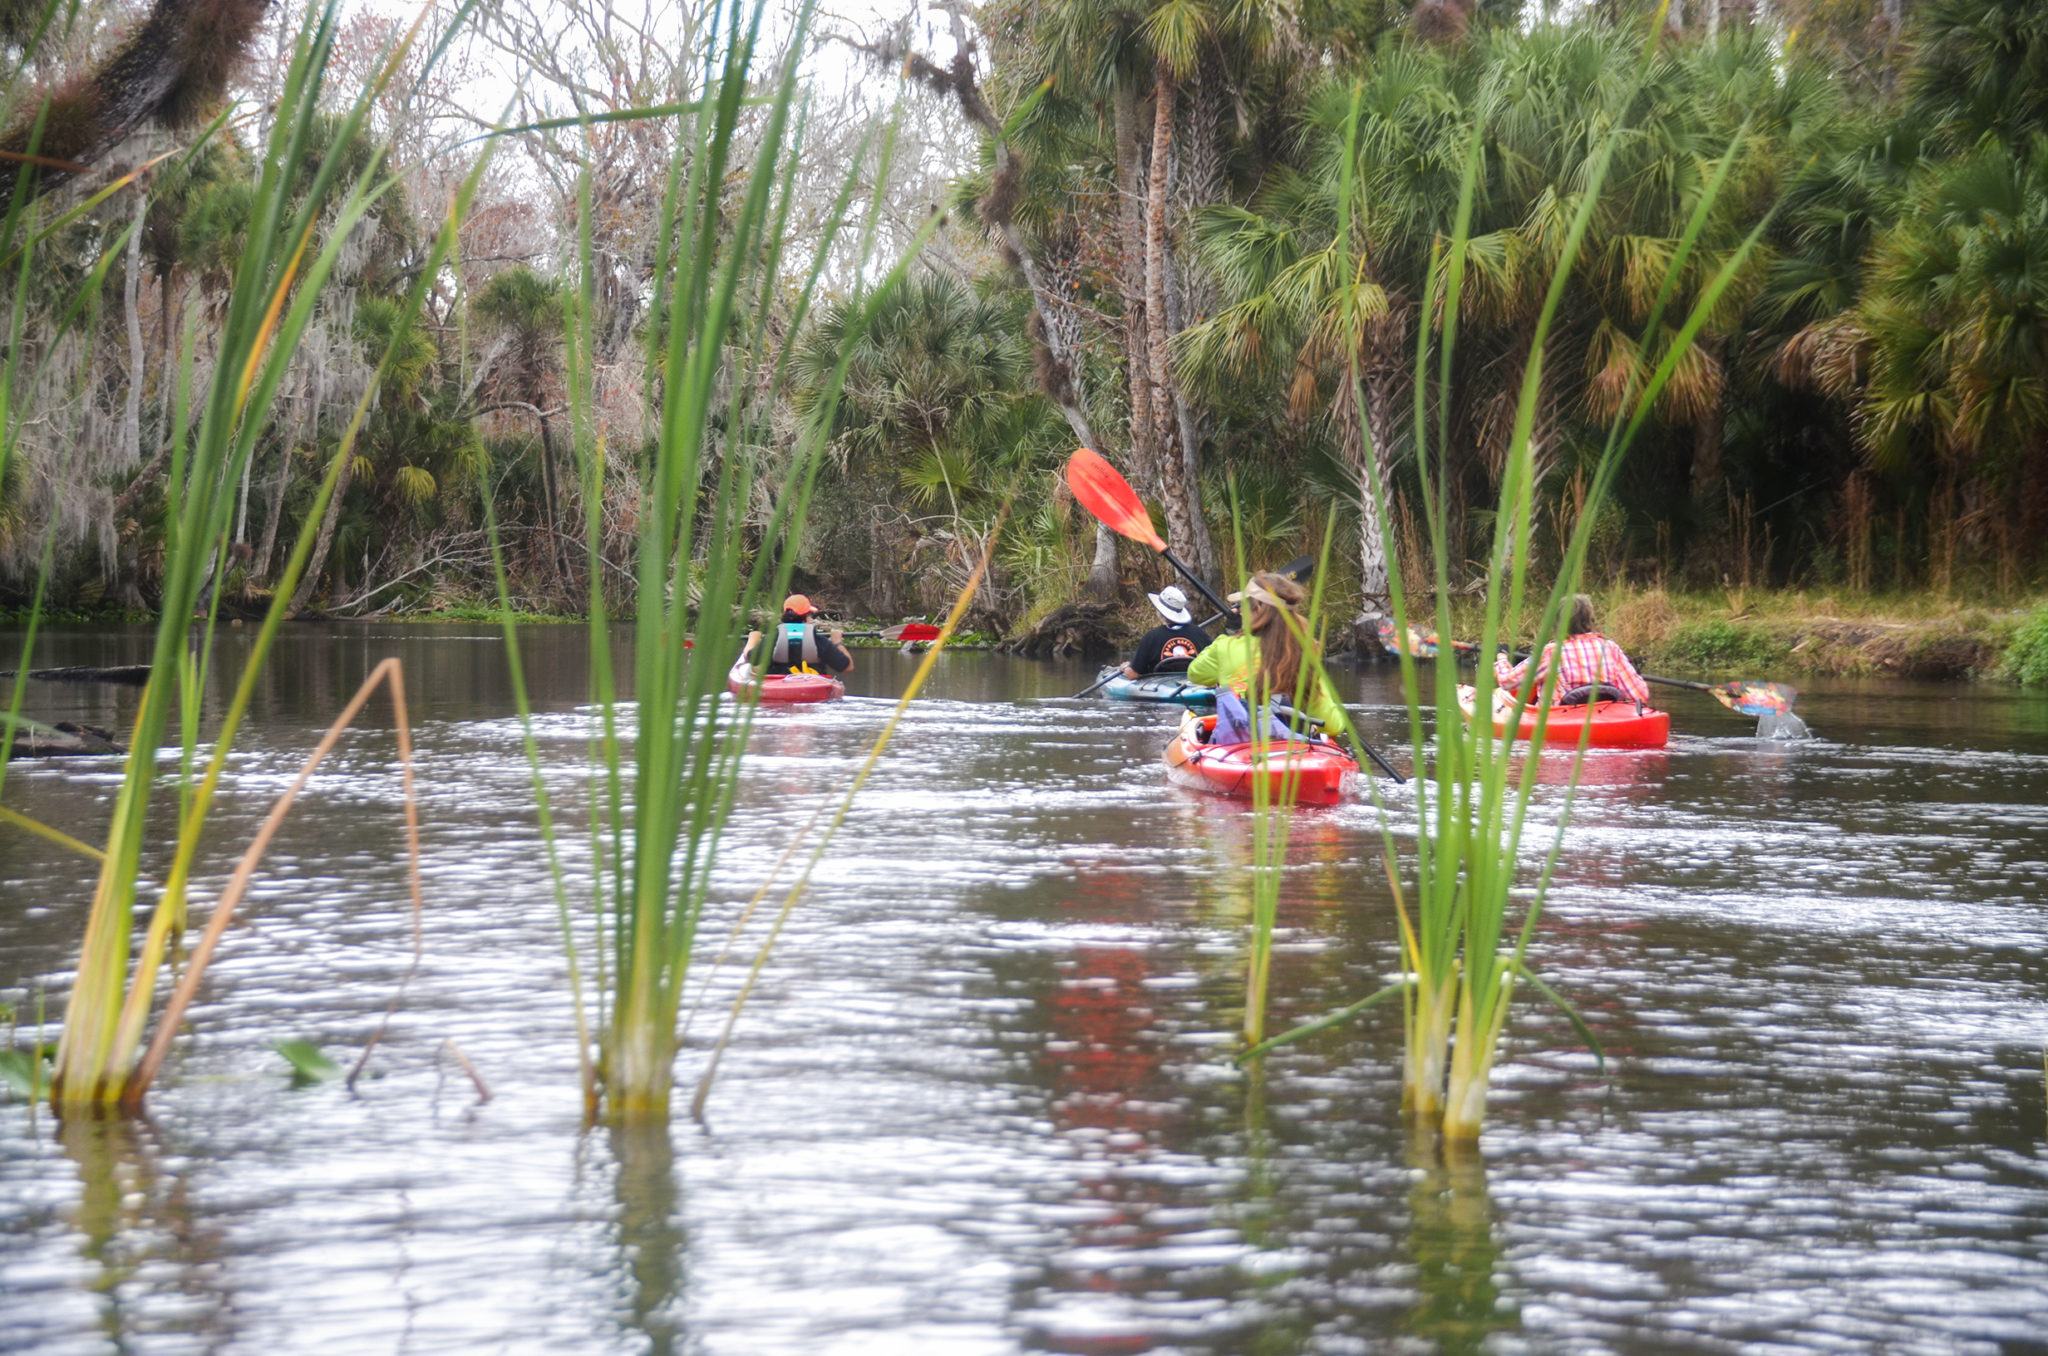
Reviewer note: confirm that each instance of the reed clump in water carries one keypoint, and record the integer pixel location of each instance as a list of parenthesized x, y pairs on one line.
[(299, 223), (661, 794), (1463, 949)]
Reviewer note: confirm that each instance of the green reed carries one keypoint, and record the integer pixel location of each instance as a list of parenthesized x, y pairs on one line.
[(719, 351), (1273, 815), (1461, 958), (278, 283)]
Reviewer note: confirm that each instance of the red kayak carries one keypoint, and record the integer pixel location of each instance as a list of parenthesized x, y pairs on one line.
[(1318, 771), (1614, 725), (784, 688)]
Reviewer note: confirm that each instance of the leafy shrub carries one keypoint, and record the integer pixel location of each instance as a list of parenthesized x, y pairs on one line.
[(2026, 658), (1722, 644)]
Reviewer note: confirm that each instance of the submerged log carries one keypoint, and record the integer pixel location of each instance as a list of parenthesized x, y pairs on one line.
[(65, 739), (125, 675)]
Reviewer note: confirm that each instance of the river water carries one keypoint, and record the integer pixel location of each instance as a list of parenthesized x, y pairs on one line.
[(981, 1101)]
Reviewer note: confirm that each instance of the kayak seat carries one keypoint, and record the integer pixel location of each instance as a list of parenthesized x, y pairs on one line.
[(1589, 693)]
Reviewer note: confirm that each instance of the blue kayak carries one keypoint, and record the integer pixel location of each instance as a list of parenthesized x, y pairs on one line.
[(1156, 687)]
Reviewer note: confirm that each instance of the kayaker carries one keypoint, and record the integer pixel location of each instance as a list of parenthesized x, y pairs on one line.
[(801, 645), (1270, 657), (1587, 658), (1171, 647)]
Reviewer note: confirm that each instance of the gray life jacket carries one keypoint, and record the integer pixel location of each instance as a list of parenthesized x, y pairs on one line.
[(794, 638)]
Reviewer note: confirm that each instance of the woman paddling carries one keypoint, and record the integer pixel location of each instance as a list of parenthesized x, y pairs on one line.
[(1587, 661), (1270, 658)]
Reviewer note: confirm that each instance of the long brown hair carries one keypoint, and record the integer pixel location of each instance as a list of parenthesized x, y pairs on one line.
[(1279, 636)]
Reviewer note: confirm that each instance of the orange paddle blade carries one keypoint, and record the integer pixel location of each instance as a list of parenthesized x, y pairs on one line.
[(1110, 497), (910, 632)]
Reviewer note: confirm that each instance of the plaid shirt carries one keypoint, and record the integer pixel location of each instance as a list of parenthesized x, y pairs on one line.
[(1589, 658)]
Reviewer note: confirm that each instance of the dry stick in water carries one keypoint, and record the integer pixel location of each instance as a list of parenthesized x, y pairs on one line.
[(483, 1094), (924, 669), (224, 912)]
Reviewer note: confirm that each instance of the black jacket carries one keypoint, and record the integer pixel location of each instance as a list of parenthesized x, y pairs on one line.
[(1169, 649)]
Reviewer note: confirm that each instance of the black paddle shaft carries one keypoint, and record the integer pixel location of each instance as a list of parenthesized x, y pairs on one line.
[(1374, 754), (1099, 682), (1196, 580)]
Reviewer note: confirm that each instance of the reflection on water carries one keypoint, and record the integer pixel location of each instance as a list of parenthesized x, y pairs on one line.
[(1452, 1247), (981, 1101), (154, 1257), (650, 1233)]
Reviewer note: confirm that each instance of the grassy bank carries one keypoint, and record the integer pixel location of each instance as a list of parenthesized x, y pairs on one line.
[(1800, 633)]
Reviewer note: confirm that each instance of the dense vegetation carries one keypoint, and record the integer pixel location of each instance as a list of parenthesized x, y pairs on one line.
[(1139, 251)]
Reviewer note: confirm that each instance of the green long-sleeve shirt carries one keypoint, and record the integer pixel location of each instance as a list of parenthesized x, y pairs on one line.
[(1233, 661)]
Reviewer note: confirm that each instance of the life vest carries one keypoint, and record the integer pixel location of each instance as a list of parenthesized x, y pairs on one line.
[(795, 639)]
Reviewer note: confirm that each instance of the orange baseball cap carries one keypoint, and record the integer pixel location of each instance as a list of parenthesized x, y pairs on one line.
[(798, 604)]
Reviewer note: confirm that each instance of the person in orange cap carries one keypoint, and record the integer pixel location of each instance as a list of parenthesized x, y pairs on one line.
[(801, 645)]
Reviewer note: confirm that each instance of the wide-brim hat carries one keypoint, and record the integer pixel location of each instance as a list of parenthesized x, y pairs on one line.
[(1258, 593), (1172, 604)]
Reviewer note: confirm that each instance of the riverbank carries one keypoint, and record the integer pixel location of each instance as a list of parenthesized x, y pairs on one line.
[(1796, 633), (1792, 633)]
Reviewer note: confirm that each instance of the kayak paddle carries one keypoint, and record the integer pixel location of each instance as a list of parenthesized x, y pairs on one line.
[(1115, 672), (907, 632), (1109, 497), (1749, 698)]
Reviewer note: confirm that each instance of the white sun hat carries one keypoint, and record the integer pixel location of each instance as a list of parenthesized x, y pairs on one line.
[(1172, 604)]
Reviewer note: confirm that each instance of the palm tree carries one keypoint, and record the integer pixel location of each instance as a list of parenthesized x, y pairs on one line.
[(1980, 68), (1306, 305), (1956, 317), (400, 397), (937, 390)]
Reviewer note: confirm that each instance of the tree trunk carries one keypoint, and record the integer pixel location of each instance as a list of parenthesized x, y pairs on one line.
[(1198, 180), (1130, 182), (259, 571), (1102, 569), (1188, 422), (173, 64), (1376, 417), (131, 298), (1181, 500), (304, 593), (1059, 375), (547, 464)]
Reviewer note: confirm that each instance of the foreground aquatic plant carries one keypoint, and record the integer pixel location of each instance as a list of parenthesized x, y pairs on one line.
[(1273, 807), (1461, 962), (297, 230), (718, 354)]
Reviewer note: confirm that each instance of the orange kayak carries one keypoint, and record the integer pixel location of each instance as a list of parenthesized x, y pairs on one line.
[(1314, 771), (1613, 725), (784, 688)]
